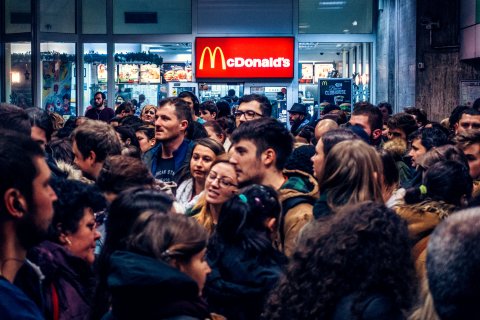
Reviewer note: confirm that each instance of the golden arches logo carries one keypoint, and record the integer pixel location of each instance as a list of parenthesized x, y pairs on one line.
[(212, 57), (324, 83)]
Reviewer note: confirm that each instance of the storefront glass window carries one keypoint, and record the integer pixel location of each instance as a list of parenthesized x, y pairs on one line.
[(57, 16), (18, 76), (146, 73), (94, 17), (152, 17), (335, 17), (95, 74), (17, 16), (58, 77)]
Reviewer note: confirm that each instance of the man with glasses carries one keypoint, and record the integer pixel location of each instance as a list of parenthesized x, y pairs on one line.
[(252, 106), (260, 149)]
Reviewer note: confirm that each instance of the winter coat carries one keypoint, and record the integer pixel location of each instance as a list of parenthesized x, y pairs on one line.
[(299, 183), (373, 307), (146, 288), (241, 279), (68, 280), (422, 218)]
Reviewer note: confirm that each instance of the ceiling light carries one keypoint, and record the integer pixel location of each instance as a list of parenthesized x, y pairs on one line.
[(354, 23)]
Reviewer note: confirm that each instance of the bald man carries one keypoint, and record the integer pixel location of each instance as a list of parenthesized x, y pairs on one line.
[(324, 126)]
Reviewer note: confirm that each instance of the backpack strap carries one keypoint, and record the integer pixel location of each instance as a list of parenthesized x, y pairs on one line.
[(55, 303), (286, 206)]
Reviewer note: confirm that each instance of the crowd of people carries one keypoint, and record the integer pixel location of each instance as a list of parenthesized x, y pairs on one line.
[(190, 210)]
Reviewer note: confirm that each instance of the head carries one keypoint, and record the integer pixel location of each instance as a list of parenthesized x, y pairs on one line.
[(390, 175), (174, 239), (297, 114), (124, 109), (360, 249), (325, 144), (204, 155), (99, 99), (469, 143), (301, 159), (146, 137), (93, 142), (469, 120), (419, 114), (208, 110), (120, 173), (15, 119), (251, 107), (172, 119), (127, 136), (401, 125), (221, 182), (258, 147), (215, 131), (223, 109), (369, 118), (192, 102), (73, 225), (423, 140), (148, 113), (141, 98), (42, 125), (453, 263), (231, 93), (352, 173), (455, 116), (386, 110), (250, 217), (27, 197), (324, 126)]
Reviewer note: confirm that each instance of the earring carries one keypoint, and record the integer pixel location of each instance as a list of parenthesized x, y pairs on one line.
[(68, 241)]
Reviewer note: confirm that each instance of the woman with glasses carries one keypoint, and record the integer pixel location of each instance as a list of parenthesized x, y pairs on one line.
[(148, 113), (220, 185), (192, 182)]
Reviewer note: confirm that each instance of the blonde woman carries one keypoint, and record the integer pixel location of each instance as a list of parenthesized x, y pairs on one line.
[(148, 113)]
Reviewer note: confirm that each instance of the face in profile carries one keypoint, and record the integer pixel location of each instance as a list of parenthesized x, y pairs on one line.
[(197, 268), (318, 159)]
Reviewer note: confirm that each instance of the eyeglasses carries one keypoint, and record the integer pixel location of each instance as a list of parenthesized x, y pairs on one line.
[(222, 181), (249, 114), (100, 217)]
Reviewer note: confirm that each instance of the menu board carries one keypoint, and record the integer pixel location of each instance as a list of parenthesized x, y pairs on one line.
[(128, 73), (322, 70), (149, 73), (177, 72), (335, 90), (102, 74)]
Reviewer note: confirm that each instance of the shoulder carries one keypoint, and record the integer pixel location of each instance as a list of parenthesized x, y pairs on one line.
[(14, 304), (373, 307)]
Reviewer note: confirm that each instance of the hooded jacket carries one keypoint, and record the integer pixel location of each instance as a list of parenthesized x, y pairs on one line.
[(302, 184), (422, 218), (146, 288)]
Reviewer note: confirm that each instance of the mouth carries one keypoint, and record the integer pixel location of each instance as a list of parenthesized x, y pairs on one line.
[(212, 193), (199, 173)]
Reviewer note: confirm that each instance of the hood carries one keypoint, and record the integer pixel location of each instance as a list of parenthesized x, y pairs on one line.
[(73, 173), (298, 183)]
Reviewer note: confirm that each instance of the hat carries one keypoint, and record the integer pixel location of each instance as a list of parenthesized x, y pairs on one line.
[(298, 108)]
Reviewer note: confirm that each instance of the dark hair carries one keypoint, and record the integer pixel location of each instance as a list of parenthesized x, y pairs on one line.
[(122, 172), (14, 118), (307, 133), (165, 237), (182, 111), (127, 133), (73, 198), (469, 111), (332, 137), (420, 114), (17, 164), (61, 150), (123, 213), (196, 131), (223, 109), (67, 129), (196, 102), (131, 121), (447, 181), (403, 121), (41, 119), (126, 107), (242, 218), (391, 177), (362, 249), (466, 139), (385, 105), (301, 159), (266, 133), (455, 115), (148, 129), (265, 104), (453, 261), (101, 93), (216, 127), (429, 137), (209, 106), (375, 117)]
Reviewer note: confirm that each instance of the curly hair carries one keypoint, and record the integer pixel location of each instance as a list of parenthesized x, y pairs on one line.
[(362, 249)]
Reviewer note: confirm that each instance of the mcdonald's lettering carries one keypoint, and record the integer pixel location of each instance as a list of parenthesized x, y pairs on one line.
[(324, 83), (212, 56)]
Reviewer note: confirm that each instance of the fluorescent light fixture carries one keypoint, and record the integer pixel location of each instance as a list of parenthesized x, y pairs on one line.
[(15, 77), (156, 50), (354, 23), (332, 3)]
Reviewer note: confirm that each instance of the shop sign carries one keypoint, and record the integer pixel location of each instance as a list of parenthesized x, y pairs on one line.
[(244, 58)]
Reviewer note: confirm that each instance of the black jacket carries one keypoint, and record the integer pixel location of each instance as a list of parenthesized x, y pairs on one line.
[(373, 307)]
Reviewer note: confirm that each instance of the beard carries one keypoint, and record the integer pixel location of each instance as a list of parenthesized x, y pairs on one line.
[(29, 233)]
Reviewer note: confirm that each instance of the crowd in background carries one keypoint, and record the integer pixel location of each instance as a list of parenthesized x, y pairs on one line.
[(190, 210)]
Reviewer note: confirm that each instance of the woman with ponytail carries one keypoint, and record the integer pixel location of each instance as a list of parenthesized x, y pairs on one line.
[(245, 265)]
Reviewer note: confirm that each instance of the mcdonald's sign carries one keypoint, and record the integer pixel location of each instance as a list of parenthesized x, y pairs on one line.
[(244, 58)]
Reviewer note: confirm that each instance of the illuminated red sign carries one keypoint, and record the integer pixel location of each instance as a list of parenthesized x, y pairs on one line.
[(244, 58)]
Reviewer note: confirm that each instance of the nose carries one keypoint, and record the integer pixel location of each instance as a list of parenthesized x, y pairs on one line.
[(97, 235)]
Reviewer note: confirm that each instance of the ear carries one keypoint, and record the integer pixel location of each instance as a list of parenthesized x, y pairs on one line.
[(214, 115), (376, 134), (15, 203), (92, 157), (63, 236), (271, 224), (269, 157), (128, 141), (184, 125), (455, 127)]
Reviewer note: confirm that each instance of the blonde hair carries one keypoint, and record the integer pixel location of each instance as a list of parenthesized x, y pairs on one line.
[(148, 107), (352, 173)]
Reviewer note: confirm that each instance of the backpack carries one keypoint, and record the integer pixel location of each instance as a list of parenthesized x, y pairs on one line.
[(289, 204)]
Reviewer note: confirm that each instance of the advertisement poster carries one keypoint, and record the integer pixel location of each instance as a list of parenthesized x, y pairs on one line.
[(128, 73), (335, 90), (102, 74), (57, 86), (177, 72), (306, 75), (149, 73), (322, 70)]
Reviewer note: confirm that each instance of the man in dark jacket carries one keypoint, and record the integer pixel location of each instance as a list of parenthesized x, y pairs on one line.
[(298, 118)]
